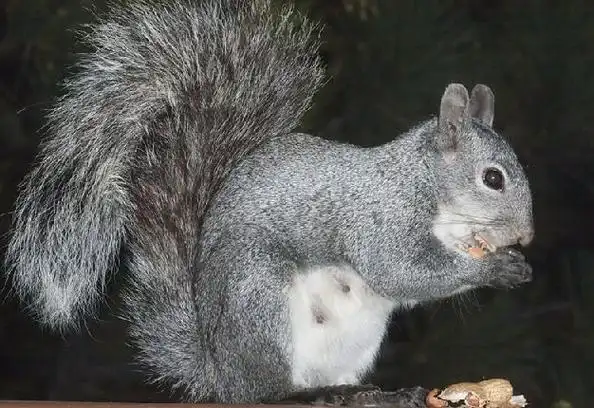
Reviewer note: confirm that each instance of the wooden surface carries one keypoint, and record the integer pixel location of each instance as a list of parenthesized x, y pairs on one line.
[(75, 404)]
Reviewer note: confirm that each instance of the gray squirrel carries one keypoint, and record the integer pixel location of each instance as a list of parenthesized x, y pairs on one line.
[(263, 262)]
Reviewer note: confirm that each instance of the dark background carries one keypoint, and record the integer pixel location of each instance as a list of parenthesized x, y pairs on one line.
[(389, 63)]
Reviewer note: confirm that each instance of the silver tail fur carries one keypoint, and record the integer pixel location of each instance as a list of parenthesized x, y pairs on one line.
[(170, 99)]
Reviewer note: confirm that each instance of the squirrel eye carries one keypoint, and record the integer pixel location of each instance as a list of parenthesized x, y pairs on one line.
[(493, 178)]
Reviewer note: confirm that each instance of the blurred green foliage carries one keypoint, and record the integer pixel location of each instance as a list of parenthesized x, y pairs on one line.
[(388, 63)]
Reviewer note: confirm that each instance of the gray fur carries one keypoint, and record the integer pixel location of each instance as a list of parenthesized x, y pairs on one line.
[(174, 142), (152, 68)]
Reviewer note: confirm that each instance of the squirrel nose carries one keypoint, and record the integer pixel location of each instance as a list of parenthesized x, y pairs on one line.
[(526, 236)]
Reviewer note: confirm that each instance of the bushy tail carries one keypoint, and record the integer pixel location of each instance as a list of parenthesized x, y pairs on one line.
[(236, 77), (172, 98)]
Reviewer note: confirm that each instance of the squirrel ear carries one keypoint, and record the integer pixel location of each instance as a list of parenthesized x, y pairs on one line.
[(453, 112), (482, 104)]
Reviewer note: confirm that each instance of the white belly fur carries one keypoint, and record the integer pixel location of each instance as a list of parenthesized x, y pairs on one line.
[(338, 324)]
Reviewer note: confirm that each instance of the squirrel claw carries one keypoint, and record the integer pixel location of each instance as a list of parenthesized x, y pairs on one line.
[(463, 246), (484, 244)]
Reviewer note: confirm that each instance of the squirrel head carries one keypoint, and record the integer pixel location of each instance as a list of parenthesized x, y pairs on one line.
[(481, 186)]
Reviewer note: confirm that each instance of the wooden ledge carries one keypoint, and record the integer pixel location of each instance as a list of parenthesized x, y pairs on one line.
[(81, 404)]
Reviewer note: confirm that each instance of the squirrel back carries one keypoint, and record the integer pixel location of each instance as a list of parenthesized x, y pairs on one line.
[(169, 100)]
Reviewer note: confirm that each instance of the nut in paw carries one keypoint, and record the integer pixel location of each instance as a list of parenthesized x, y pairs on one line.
[(478, 248)]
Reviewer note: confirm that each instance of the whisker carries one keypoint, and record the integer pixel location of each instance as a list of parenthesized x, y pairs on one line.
[(474, 221), (463, 302), (469, 222), (479, 219)]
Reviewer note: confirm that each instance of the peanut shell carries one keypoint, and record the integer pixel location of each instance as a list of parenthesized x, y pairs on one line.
[(497, 391)]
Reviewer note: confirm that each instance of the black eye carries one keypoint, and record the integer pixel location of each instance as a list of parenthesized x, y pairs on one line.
[(493, 178)]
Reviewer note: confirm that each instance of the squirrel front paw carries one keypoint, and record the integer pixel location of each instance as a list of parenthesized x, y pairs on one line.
[(508, 268)]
